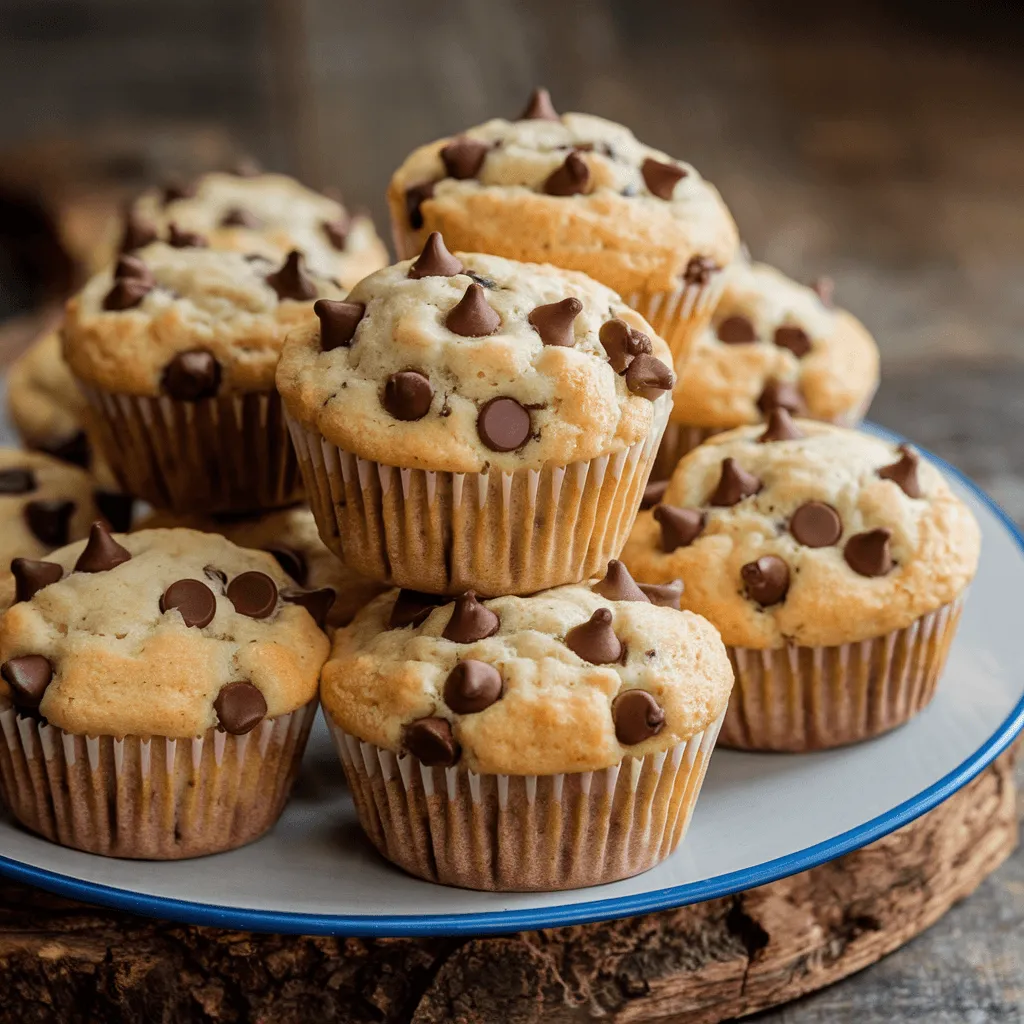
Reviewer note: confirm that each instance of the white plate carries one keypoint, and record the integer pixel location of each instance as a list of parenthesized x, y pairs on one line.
[(760, 817)]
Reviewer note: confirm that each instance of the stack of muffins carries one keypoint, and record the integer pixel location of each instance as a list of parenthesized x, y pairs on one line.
[(527, 673)]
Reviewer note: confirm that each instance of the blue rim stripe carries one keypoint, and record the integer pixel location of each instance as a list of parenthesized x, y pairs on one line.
[(493, 922)]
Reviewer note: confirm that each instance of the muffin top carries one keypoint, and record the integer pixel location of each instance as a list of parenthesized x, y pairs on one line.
[(291, 536), (262, 214), (773, 341), (567, 680), (158, 633), (572, 189), (468, 362), (188, 322), (806, 533)]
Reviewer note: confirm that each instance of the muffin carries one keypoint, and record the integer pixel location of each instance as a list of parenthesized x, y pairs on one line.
[(156, 692), (834, 564), (290, 535), (261, 214), (175, 351), (468, 422), (770, 342), (582, 193), (526, 743)]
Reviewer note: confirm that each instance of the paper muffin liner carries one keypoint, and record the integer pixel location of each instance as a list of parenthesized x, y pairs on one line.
[(812, 698), (496, 533), (229, 453), (150, 798), (519, 833)]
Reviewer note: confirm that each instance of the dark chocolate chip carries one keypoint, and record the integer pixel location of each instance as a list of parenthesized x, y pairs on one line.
[(699, 270), (463, 157), (237, 217), (17, 481), (292, 562), (337, 231), (137, 233), (781, 394), (618, 585), (407, 395), (661, 178), (766, 580), (472, 317), (177, 188), (680, 527), (648, 377), (191, 376), (595, 640), (736, 330), (780, 427), (503, 425), (667, 595), (74, 449), (415, 197), (903, 472), (825, 288), (816, 525), (31, 576), (793, 338), (50, 521), (133, 281), (472, 686), (291, 280), (338, 322), (470, 620), (653, 493), (101, 552), (240, 708), (411, 608), (540, 107), (622, 343), (317, 602), (435, 260), (194, 600), (571, 178), (28, 677), (117, 509), (253, 593), (554, 321), (182, 239), (431, 742), (637, 717), (734, 484), (868, 553)]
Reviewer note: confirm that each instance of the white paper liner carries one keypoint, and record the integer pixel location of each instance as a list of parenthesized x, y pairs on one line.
[(150, 798), (496, 533), (518, 833), (812, 698), (230, 453)]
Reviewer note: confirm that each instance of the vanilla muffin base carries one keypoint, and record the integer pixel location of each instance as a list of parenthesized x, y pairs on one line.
[(797, 699), (525, 833), (150, 798), (496, 533), (229, 453)]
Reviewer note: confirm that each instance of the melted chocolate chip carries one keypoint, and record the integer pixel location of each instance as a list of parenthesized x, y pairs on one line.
[(317, 602), (431, 742), (780, 427), (337, 231), (570, 179), (793, 338), (240, 708), (766, 580), (412, 608), (191, 376), (254, 594), (736, 330), (699, 270), (435, 260), (825, 289), (28, 677), (680, 527), (618, 585), (215, 575), (781, 394), (869, 553), (622, 343), (292, 562), (472, 686), (637, 717), (667, 595), (503, 425), (238, 217), (554, 321), (595, 640), (291, 281), (31, 576), (338, 322), (407, 395), (648, 377), (463, 157), (660, 178), (50, 521), (472, 317), (137, 233), (816, 525), (182, 239), (193, 600), (903, 472), (101, 552), (653, 493), (540, 107), (415, 197), (734, 485), (17, 481), (470, 620)]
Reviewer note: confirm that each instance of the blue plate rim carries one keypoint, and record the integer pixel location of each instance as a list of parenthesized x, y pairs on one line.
[(499, 921)]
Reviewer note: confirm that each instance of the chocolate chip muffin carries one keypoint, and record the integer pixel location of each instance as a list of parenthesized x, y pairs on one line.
[(175, 349), (527, 743), (771, 342), (267, 215), (834, 564), (464, 421), (582, 193), (156, 692)]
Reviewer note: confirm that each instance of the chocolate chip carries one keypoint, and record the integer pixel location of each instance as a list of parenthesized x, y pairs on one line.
[(472, 317), (766, 580), (291, 281), (825, 289), (240, 708), (31, 576), (653, 493), (660, 178), (176, 189), (74, 449), (431, 742), (102, 552), (554, 321), (215, 575), (622, 343), (793, 338), (503, 425), (28, 677), (648, 377), (412, 608), (734, 485), (637, 717), (736, 330), (191, 376), (816, 525), (237, 217), (569, 179), (903, 472), (667, 595), (680, 527), (462, 157), (137, 233), (540, 107), (484, 282), (292, 562), (254, 594), (472, 686), (194, 600), (780, 427), (133, 281), (317, 602), (50, 521), (470, 620), (182, 239), (407, 395), (618, 585), (595, 640), (337, 231), (338, 322), (17, 481), (699, 270), (435, 260), (117, 509), (869, 554), (415, 197), (781, 394)]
